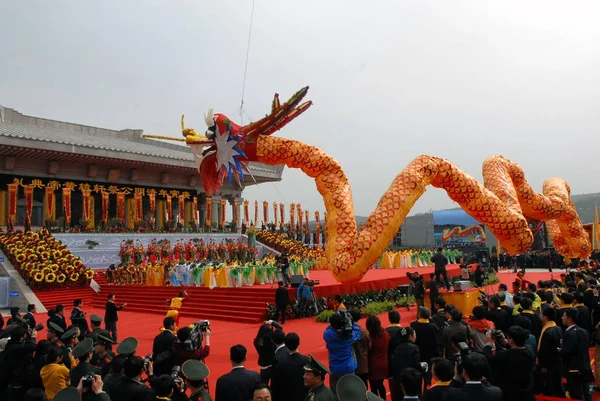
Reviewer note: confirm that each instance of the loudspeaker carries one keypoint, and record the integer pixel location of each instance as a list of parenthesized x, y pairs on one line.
[(296, 280)]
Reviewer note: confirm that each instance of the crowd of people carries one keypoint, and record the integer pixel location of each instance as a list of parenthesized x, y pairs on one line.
[(532, 338)]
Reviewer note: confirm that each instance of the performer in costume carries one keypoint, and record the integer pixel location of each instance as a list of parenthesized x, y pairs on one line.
[(174, 305)]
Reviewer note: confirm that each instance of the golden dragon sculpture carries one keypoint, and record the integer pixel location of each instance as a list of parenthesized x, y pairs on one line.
[(502, 203)]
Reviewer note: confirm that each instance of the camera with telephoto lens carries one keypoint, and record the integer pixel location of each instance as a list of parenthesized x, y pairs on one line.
[(483, 298), (175, 376), (194, 340), (459, 356), (87, 381), (497, 335)]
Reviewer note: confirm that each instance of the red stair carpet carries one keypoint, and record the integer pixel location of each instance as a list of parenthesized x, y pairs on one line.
[(66, 296)]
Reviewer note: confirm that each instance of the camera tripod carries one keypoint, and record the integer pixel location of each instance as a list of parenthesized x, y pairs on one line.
[(312, 302)]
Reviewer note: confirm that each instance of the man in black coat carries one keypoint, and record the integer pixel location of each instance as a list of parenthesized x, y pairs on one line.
[(549, 359), (163, 343), (529, 314), (497, 315), (130, 387), (239, 384), (513, 367), (576, 357), (281, 302), (58, 317), (287, 382), (111, 316), (281, 351), (440, 261), (78, 319), (434, 291), (29, 316), (474, 366)]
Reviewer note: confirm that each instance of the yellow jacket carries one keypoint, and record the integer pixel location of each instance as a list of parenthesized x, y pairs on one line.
[(55, 377)]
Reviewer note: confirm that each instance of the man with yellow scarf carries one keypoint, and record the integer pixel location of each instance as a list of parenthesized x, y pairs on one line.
[(549, 359)]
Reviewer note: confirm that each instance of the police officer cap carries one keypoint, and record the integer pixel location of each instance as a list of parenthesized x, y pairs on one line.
[(315, 366), (194, 370), (54, 328), (127, 346), (96, 319), (84, 347), (72, 332), (103, 340), (68, 394), (351, 388), (370, 397)]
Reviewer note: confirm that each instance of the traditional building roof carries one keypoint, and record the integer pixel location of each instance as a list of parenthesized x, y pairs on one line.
[(18, 130)]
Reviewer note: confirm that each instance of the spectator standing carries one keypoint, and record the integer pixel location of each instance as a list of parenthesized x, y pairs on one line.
[(239, 384), (378, 361), (282, 300)]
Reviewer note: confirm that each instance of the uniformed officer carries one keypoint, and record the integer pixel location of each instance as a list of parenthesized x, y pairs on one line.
[(69, 340), (128, 346), (54, 334), (96, 321), (195, 374), (102, 356), (83, 352), (314, 379), (352, 388)]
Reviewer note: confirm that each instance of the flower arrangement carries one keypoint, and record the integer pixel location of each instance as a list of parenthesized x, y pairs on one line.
[(43, 261), (281, 242)]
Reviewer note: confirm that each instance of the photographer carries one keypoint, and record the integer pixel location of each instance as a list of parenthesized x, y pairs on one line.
[(15, 362), (181, 350), (304, 292), (131, 388), (339, 337), (166, 388), (83, 353), (513, 367)]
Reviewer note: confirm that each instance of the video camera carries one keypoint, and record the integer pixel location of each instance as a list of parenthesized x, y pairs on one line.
[(194, 340), (347, 323)]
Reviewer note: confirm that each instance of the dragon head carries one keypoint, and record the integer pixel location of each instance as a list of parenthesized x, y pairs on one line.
[(226, 147)]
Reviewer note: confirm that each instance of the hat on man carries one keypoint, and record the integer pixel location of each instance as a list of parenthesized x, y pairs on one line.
[(71, 333), (351, 388), (373, 397), (127, 346), (68, 394), (96, 319), (84, 347), (315, 366), (194, 370), (55, 328), (103, 340)]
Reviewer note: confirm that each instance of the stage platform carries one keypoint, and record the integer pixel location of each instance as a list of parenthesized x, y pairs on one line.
[(374, 280)]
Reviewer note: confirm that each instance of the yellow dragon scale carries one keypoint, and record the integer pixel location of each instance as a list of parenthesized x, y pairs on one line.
[(501, 204)]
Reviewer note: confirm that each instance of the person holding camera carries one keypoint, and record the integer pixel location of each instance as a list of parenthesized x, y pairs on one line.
[(339, 337), (182, 353), (304, 292), (83, 353), (473, 369), (512, 366), (195, 374), (131, 387), (166, 388)]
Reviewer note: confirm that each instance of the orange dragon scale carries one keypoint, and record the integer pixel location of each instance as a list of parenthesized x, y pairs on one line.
[(502, 203)]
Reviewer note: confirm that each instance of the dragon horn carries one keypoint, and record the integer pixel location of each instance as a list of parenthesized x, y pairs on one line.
[(209, 118), (182, 122)]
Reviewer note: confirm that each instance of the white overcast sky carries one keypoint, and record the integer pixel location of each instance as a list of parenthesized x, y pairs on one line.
[(390, 80)]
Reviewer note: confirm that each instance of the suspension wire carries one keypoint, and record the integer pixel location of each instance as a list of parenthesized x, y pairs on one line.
[(246, 67), (277, 189)]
